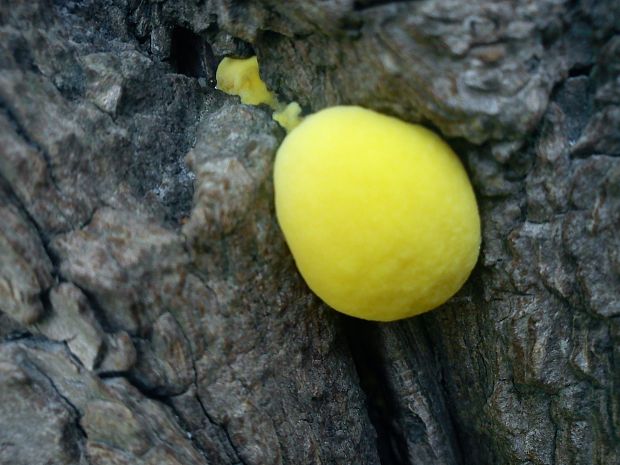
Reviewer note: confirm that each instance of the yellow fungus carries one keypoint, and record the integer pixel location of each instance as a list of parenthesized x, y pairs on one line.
[(379, 214), (240, 76), (289, 116)]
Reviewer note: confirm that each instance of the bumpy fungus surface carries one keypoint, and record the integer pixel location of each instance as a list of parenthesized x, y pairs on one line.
[(240, 76), (379, 214)]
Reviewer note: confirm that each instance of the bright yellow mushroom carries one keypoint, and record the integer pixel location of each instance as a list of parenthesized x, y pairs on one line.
[(379, 214)]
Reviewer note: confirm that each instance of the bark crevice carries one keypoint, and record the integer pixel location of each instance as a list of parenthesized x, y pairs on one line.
[(366, 349)]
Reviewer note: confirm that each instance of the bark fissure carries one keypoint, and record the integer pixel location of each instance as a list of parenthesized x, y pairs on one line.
[(76, 411), (21, 131), (204, 410), (231, 443), (365, 349), (44, 238)]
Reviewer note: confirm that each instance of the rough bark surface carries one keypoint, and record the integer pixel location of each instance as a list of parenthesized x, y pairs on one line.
[(150, 312)]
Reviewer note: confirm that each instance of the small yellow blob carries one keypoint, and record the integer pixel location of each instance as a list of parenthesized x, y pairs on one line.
[(379, 214), (289, 116), (240, 77)]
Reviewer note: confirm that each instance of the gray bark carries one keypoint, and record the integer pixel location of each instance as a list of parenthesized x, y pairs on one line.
[(150, 312)]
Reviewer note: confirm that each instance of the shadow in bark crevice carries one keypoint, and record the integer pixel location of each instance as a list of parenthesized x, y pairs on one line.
[(366, 348), (190, 54)]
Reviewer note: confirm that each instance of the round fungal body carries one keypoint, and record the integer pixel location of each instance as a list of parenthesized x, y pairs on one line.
[(379, 214)]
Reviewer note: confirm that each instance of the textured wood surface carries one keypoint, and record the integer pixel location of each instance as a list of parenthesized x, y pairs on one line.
[(150, 312)]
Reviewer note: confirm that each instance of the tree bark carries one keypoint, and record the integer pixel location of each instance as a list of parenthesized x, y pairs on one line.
[(150, 312)]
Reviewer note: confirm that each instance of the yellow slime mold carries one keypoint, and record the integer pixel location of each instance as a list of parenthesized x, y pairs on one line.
[(240, 76), (379, 214)]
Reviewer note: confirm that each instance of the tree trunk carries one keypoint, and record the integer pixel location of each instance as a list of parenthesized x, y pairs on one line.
[(151, 312)]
